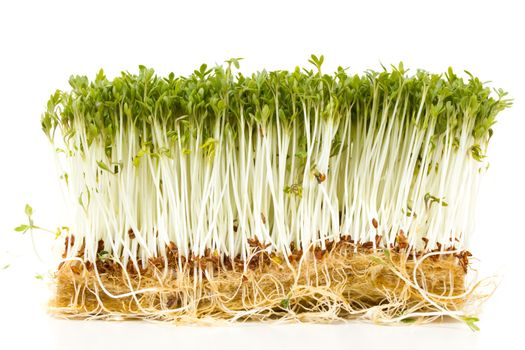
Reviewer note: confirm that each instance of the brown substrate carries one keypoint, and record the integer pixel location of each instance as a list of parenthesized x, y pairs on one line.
[(344, 282)]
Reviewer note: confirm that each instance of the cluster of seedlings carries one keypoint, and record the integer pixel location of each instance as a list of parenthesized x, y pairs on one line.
[(284, 194)]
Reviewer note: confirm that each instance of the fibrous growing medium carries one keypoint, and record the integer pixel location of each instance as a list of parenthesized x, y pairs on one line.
[(279, 195)]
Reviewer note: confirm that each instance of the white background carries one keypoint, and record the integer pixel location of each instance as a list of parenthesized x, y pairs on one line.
[(43, 43)]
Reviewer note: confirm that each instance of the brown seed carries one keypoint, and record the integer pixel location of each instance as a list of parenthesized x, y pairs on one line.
[(131, 234), (74, 267), (401, 240), (100, 246), (426, 242), (83, 247), (375, 223), (253, 242), (319, 253), (367, 245), (171, 302), (320, 177)]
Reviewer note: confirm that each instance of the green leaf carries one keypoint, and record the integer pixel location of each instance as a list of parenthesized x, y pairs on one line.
[(39, 276), (6, 266), (81, 199), (22, 228), (430, 199), (408, 320), (265, 113), (65, 177), (28, 210), (100, 75), (234, 61), (317, 61), (285, 303), (103, 255), (471, 322), (143, 151), (476, 152), (295, 189), (103, 166), (209, 146), (301, 154), (59, 231)]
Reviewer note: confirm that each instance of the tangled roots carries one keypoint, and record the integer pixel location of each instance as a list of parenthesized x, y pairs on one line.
[(382, 286)]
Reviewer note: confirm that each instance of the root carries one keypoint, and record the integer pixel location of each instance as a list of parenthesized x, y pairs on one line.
[(345, 284)]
